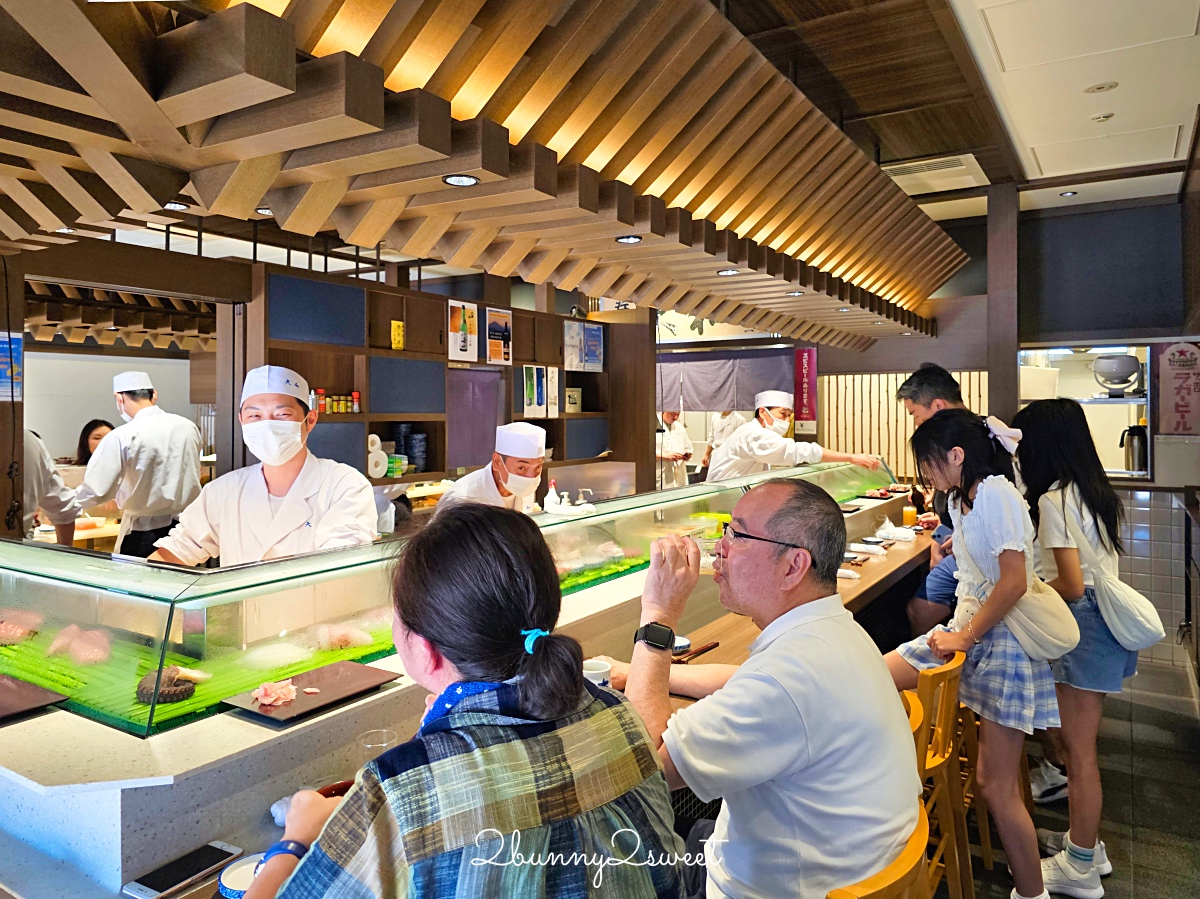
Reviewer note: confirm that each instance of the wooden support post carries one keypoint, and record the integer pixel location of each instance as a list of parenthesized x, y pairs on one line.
[(543, 296), (12, 415), (497, 291), (1003, 205), (632, 420)]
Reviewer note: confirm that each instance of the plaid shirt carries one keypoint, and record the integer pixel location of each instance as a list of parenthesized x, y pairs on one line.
[(490, 801)]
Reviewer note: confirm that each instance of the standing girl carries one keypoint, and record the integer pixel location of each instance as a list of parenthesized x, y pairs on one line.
[(1068, 494), (1013, 695)]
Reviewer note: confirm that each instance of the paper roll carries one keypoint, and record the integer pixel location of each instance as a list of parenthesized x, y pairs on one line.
[(374, 444), (377, 464)]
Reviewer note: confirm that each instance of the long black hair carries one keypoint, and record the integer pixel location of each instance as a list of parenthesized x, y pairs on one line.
[(83, 452), (470, 582), (982, 455), (1057, 448)]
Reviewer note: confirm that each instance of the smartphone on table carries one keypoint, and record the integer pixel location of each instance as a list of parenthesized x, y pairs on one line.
[(183, 872)]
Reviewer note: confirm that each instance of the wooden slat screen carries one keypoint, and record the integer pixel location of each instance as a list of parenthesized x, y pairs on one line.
[(860, 414)]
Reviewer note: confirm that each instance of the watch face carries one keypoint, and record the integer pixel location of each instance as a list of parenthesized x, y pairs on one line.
[(658, 635)]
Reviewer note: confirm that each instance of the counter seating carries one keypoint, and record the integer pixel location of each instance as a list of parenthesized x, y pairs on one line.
[(905, 878)]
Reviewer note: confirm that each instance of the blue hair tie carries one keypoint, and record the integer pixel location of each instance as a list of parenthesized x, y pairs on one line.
[(531, 636)]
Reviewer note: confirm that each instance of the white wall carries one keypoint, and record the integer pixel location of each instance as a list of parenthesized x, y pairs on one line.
[(64, 391)]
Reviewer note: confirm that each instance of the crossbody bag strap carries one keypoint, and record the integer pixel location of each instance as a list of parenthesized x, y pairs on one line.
[(1087, 554)]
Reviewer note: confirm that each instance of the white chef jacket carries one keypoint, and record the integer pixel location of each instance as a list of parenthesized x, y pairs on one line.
[(722, 427), (330, 505), (673, 439), (480, 487), (151, 465), (752, 449), (44, 487)]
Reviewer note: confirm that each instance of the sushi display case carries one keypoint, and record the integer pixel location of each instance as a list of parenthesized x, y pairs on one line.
[(146, 647)]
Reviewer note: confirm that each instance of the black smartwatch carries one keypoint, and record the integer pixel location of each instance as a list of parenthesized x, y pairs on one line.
[(655, 635)]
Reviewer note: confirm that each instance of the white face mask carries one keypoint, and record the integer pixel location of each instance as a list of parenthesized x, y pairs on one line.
[(273, 442), (519, 485), (124, 414), (778, 425)]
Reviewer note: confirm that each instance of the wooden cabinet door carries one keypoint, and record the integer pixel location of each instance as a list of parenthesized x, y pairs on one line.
[(548, 340), (425, 325)]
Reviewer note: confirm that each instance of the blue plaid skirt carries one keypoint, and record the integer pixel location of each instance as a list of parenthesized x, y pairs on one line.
[(999, 681)]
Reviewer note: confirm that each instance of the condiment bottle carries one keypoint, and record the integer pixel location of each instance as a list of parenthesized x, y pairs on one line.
[(354, 402), (321, 400)]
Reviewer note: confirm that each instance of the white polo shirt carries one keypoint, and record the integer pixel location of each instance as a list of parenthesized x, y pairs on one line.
[(809, 746)]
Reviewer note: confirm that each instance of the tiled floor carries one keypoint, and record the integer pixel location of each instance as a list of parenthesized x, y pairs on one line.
[(1150, 766)]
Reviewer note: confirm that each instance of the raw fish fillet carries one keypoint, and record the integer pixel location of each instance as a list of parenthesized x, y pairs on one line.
[(90, 648), (341, 636), (63, 639), (275, 655), (24, 618), (275, 693), (11, 633)]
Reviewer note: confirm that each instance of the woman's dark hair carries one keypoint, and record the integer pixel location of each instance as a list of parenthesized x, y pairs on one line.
[(83, 452), (470, 582), (982, 455), (1057, 448)]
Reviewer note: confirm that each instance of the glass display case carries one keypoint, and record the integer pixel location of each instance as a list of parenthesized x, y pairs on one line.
[(146, 647)]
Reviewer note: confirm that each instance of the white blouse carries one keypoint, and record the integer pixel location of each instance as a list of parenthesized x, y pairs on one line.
[(998, 521), (1053, 533)]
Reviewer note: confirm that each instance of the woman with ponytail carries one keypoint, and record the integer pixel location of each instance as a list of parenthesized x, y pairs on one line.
[(523, 780), (970, 459)]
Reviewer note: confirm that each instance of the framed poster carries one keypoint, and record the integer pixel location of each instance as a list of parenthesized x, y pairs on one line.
[(463, 331), (551, 392), (593, 346), (573, 345), (12, 365), (806, 391), (499, 336), (534, 380)]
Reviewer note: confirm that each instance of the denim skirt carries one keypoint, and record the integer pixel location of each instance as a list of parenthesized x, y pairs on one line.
[(1099, 663)]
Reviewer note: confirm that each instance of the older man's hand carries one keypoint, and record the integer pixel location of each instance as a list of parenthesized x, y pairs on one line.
[(674, 571)]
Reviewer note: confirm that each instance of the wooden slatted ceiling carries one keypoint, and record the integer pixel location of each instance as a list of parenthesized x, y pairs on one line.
[(584, 120)]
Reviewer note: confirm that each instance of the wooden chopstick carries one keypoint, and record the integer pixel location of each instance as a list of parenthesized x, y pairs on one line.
[(693, 653)]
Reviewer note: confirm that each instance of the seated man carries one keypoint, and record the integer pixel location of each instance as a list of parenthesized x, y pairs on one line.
[(806, 741), (512, 478), (290, 503)]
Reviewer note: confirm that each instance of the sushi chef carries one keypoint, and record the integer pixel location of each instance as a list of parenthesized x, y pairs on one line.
[(674, 449), (759, 443), (513, 475), (44, 489), (150, 465), (292, 502)]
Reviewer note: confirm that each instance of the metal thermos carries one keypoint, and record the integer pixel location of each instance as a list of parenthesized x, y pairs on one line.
[(1133, 439)]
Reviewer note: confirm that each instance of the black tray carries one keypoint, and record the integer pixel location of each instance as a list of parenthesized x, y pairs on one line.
[(18, 697), (337, 682)]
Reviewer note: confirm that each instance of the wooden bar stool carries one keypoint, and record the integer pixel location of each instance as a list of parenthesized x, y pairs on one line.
[(916, 718), (905, 878), (938, 749)]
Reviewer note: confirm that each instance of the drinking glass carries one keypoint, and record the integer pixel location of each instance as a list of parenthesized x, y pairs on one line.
[(375, 743)]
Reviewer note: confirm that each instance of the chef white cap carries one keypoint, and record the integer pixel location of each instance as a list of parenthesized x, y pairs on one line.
[(275, 379), (131, 380), (521, 439), (771, 399)]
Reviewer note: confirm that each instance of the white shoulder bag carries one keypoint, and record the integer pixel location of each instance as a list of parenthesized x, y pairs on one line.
[(1131, 617), (1040, 620)]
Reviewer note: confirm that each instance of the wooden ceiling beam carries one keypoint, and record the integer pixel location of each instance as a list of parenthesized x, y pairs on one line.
[(365, 224), (47, 219), (503, 256), (578, 193), (532, 177), (311, 20), (236, 189), (463, 248), (144, 186), (94, 201), (304, 208), (27, 70), (336, 97), (237, 58), (573, 270), (414, 37), (418, 236)]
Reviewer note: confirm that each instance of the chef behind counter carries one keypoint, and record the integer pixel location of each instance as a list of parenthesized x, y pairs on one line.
[(512, 478), (289, 504)]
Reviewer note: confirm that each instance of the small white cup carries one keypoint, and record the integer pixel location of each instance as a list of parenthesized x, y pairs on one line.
[(598, 672)]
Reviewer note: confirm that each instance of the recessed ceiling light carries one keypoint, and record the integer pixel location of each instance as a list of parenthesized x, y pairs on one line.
[(1100, 88), (1069, 193), (906, 333), (795, 293), (112, 329), (879, 323), (1103, 116), (629, 238), (64, 230), (263, 210), (460, 180), (175, 206), (844, 309), (728, 272)]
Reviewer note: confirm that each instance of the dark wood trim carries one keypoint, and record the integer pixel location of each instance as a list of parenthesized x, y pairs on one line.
[(957, 42), (1003, 342), (708, 346), (12, 415), (1191, 162), (1189, 196), (1169, 167), (902, 110), (128, 351), (1122, 336), (1105, 206), (797, 25)]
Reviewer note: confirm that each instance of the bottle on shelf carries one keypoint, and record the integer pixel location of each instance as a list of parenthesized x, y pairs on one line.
[(322, 405), (355, 407), (312, 400)]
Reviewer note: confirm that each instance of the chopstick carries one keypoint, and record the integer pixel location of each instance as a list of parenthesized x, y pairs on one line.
[(693, 653)]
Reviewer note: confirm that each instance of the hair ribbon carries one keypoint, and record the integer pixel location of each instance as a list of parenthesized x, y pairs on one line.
[(531, 636), (1004, 435)]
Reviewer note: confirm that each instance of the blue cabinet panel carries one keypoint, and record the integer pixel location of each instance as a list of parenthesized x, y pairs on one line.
[(407, 385), (316, 311), (586, 437), (344, 441)]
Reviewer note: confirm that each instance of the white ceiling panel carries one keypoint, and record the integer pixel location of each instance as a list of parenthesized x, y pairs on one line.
[(1109, 151), (1037, 32), (1102, 192), (955, 209)]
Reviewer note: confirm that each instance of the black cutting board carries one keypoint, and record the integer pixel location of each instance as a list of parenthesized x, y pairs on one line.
[(337, 682), (18, 697)]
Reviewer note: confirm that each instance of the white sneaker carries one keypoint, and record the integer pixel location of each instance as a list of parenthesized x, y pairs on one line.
[(1015, 895), (1052, 842), (1047, 783), (1060, 876)]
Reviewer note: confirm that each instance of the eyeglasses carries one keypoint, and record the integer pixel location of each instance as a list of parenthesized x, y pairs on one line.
[(731, 531)]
